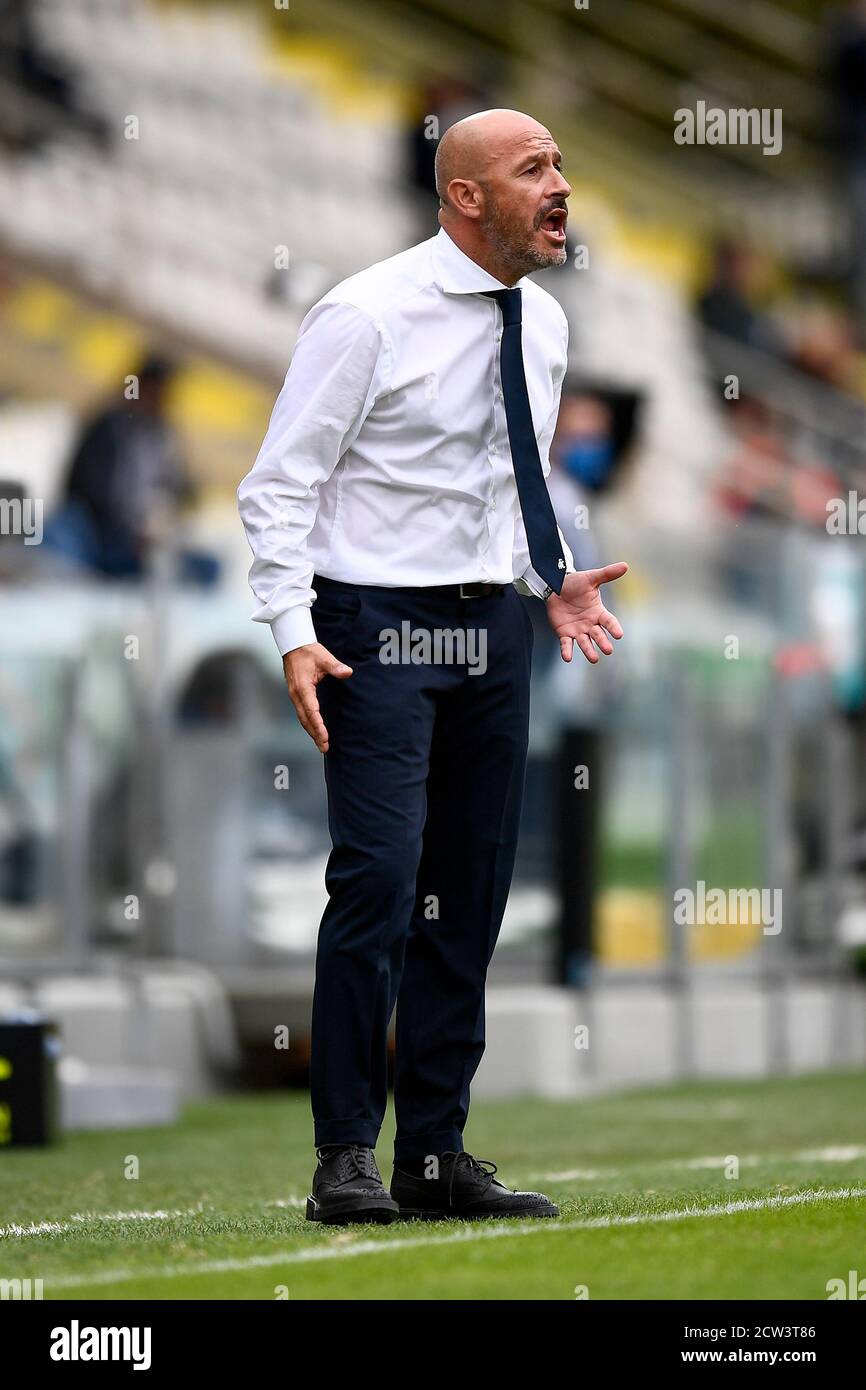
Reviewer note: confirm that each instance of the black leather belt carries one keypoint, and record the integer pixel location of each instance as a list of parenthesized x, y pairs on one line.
[(477, 589)]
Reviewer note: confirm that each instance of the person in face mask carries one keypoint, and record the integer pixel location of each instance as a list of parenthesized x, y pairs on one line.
[(584, 443), (582, 454)]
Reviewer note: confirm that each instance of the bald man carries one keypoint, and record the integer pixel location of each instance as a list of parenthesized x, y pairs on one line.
[(396, 507)]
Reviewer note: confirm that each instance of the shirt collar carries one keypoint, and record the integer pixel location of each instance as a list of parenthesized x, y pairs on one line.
[(457, 273)]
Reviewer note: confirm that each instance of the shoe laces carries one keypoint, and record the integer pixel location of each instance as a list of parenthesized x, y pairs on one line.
[(355, 1161), (476, 1167)]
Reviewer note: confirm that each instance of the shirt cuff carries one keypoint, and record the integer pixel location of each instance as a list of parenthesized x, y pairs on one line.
[(294, 628), (532, 583)]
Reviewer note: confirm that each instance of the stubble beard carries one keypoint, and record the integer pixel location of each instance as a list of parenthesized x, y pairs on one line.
[(516, 247)]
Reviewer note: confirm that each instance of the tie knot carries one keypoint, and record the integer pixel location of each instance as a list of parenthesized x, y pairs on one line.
[(509, 302)]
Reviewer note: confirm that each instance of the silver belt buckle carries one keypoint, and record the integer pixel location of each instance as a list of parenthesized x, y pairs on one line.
[(473, 585)]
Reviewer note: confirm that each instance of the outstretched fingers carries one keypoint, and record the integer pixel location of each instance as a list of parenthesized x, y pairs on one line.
[(610, 623), (601, 640)]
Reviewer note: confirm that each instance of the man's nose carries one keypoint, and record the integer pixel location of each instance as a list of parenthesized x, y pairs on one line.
[(561, 187)]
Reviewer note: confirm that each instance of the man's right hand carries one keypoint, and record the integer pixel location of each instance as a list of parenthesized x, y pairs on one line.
[(304, 668)]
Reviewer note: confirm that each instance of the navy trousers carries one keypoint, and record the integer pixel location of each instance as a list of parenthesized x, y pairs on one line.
[(424, 775)]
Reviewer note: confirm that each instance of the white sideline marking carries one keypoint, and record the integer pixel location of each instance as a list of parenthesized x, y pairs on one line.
[(838, 1153), (59, 1228), (385, 1247), (573, 1175), (40, 1228), (688, 1110)]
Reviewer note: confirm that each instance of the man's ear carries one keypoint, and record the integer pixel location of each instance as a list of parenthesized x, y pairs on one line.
[(466, 197)]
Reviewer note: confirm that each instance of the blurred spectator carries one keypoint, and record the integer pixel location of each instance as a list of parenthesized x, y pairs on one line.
[(846, 77), (816, 339), (126, 485), (38, 91), (728, 304), (581, 456), (824, 345), (593, 432), (444, 100), (763, 480), (594, 429), (753, 484), (19, 837)]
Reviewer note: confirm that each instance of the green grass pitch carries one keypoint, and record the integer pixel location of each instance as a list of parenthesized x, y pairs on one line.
[(648, 1210)]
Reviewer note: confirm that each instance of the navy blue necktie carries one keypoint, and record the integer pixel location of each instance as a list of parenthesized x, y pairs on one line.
[(545, 546)]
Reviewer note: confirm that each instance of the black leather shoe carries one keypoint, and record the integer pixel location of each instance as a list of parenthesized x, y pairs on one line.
[(465, 1190), (347, 1187)]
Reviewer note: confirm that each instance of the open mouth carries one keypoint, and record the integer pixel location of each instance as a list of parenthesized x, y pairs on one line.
[(553, 226)]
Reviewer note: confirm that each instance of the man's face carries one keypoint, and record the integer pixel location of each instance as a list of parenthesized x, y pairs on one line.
[(525, 210)]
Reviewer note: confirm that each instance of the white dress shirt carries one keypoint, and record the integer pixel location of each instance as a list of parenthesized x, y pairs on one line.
[(386, 460)]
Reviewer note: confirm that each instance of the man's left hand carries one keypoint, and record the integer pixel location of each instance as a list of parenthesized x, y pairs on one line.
[(577, 614)]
